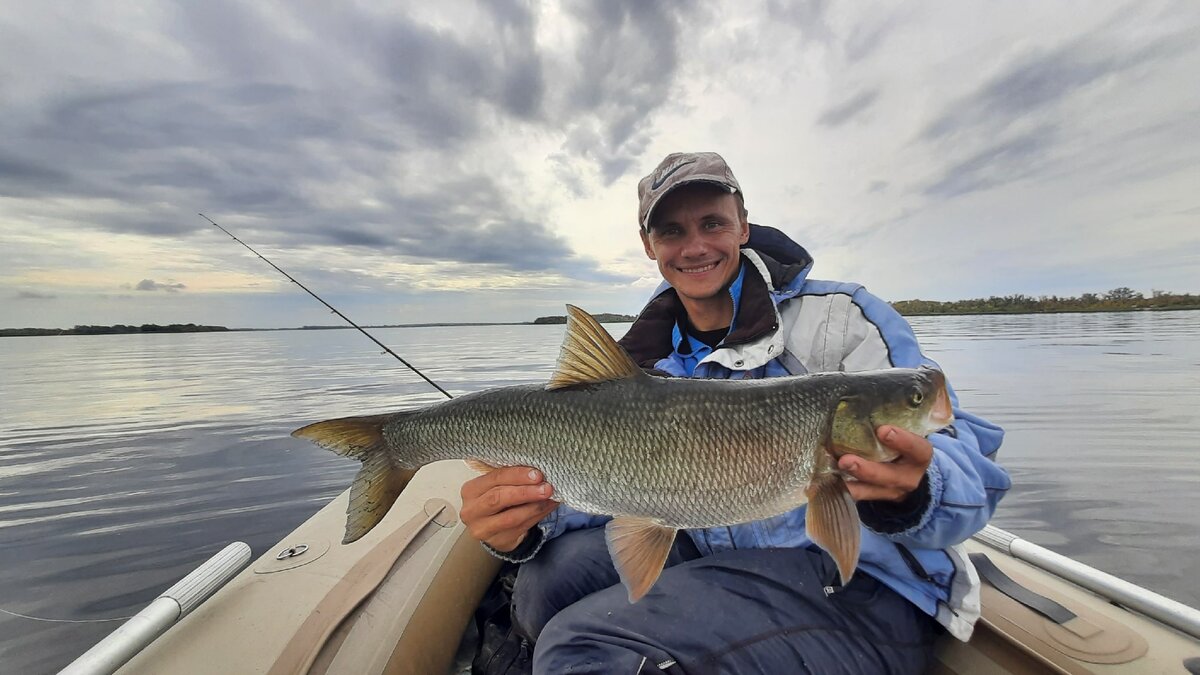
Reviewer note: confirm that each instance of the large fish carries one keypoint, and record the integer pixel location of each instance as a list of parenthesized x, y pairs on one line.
[(657, 454)]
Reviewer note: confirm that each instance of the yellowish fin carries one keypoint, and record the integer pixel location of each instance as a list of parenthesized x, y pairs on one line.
[(479, 465), (832, 522), (348, 436), (378, 482), (639, 549), (589, 354)]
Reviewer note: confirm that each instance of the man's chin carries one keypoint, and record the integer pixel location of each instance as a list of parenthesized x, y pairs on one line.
[(697, 292)]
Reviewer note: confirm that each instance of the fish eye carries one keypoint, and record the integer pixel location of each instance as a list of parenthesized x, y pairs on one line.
[(915, 398)]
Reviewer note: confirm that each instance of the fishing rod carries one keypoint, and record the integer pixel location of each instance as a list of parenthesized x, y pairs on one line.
[(331, 307)]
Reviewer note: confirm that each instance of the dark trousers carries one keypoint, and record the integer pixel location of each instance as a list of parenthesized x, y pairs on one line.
[(745, 611)]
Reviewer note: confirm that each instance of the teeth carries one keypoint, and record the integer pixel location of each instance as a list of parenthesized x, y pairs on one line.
[(697, 270)]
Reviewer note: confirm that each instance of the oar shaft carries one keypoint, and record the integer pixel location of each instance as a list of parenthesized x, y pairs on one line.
[(1158, 607), (175, 603)]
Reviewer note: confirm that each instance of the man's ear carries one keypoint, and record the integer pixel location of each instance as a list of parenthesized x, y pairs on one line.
[(745, 232), (646, 243)]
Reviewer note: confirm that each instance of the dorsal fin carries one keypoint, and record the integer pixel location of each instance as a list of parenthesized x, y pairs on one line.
[(589, 354)]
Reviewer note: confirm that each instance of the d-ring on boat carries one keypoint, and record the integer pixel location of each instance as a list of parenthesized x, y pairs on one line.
[(398, 600)]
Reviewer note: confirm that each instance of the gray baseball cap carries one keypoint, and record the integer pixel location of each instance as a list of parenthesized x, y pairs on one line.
[(680, 168)]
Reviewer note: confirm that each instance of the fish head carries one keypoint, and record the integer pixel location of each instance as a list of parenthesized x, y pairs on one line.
[(915, 400)]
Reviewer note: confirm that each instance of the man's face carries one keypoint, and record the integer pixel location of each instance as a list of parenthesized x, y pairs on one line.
[(695, 234)]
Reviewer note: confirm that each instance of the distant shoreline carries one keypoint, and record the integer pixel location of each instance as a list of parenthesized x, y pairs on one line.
[(121, 329), (1100, 310), (1123, 299)]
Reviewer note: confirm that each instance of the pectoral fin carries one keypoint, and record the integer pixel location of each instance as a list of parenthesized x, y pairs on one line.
[(479, 465), (832, 522), (639, 549)]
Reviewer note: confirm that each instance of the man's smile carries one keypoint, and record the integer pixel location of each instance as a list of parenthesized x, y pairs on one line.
[(700, 269)]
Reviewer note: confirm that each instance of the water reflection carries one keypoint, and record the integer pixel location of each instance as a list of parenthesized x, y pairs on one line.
[(125, 460)]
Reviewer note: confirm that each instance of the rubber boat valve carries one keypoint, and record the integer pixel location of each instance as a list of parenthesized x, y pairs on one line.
[(291, 552)]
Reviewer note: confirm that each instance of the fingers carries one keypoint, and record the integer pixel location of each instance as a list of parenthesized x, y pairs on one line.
[(510, 475), (891, 481), (500, 506), (505, 531), (505, 497), (910, 446)]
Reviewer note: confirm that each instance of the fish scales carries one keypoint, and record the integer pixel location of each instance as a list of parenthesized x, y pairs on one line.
[(648, 446)]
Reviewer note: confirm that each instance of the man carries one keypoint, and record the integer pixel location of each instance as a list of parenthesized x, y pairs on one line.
[(758, 597)]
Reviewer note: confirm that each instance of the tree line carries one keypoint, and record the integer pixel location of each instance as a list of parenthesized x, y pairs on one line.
[(119, 328), (1118, 299), (602, 317)]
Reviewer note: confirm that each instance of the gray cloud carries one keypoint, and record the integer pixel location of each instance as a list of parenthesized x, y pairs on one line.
[(847, 110), (22, 177), (622, 72), (283, 102), (152, 285), (865, 39), (1016, 123), (278, 104), (1035, 82), (809, 16), (1000, 163), (33, 295)]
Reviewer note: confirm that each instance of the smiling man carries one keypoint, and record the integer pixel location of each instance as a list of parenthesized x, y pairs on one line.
[(696, 238), (736, 302)]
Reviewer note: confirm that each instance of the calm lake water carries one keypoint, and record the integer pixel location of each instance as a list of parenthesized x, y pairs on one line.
[(127, 460)]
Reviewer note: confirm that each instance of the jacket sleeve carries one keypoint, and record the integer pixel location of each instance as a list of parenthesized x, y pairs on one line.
[(964, 482), (559, 521)]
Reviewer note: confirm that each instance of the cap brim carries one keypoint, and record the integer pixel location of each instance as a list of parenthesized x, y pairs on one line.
[(715, 180)]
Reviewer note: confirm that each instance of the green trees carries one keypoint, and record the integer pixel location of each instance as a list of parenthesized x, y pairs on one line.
[(1118, 299), (119, 328)]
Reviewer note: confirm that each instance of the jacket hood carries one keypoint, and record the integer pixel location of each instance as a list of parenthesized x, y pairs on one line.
[(780, 265)]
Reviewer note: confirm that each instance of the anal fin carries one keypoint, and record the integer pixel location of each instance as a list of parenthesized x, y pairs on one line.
[(639, 549), (832, 522)]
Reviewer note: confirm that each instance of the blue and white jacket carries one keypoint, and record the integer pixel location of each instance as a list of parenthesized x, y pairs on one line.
[(788, 324)]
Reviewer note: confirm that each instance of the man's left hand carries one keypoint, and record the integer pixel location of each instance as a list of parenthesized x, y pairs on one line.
[(889, 481)]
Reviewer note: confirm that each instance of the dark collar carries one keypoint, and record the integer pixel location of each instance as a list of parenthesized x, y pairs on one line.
[(649, 338)]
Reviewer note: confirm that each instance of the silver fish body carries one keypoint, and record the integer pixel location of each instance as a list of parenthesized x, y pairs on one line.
[(657, 454), (685, 453)]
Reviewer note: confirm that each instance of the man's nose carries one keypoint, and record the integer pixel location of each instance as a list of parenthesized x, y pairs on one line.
[(694, 245)]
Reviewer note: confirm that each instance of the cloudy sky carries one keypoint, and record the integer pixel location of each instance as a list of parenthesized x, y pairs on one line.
[(461, 161)]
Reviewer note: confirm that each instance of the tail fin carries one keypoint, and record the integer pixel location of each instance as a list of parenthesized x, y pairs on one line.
[(378, 483)]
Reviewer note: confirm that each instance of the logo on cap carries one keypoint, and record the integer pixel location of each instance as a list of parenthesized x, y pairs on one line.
[(666, 171)]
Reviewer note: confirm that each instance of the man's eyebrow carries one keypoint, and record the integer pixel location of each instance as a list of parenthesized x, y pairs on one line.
[(715, 215)]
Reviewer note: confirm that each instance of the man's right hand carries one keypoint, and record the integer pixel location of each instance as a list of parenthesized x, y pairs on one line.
[(500, 506)]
